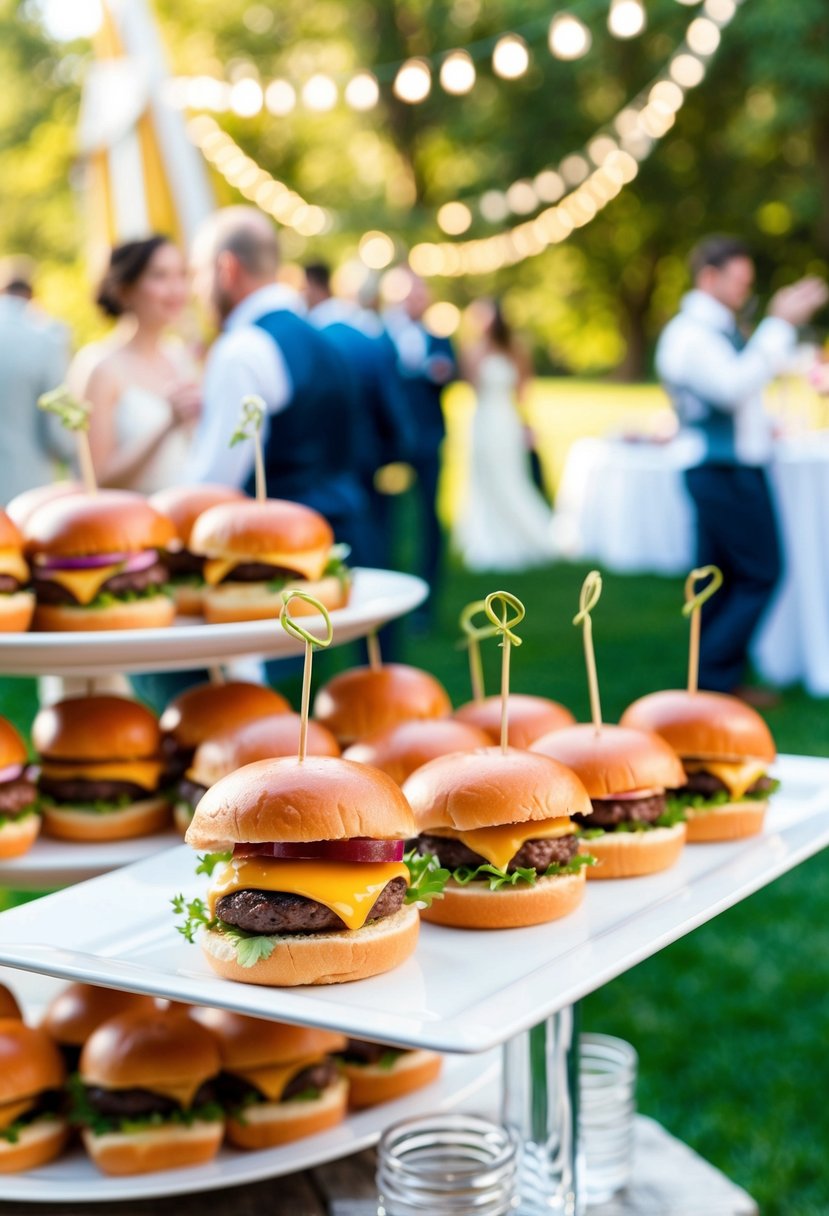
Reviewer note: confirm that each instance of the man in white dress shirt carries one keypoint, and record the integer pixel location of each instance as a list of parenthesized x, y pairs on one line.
[(715, 378)]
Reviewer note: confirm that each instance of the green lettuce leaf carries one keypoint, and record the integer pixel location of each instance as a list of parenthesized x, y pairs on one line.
[(498, 879), (209, 861), (427, 878)]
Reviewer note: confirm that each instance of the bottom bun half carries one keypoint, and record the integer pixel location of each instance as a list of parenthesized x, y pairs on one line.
[(16, 611), (732, 821), (269, 1124), (321, 958), (18, 835), (188, 598), (156, 612), (38, 1143), (370, 1084), (139, 819), (158, 1148), (476, 907), (255, 602), (632, 854)]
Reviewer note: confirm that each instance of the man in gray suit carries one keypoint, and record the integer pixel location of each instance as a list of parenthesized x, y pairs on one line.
[(33, 359)]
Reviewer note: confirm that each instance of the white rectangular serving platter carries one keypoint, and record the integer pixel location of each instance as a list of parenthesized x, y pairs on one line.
[(461, 991), (50, 864), (377, 596)]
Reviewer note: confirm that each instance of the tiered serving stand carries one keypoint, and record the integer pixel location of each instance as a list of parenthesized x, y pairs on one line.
[(462, 992)]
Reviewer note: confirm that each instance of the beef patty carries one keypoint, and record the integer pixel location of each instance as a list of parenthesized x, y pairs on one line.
[(142, 1103), (279, 912), (258, 572), (50, 592), (234, 1091), (9, 584), (608, 813), (17, 796), (78, 789), (190, 792), (533, 854), (183, 562), (706, 784)]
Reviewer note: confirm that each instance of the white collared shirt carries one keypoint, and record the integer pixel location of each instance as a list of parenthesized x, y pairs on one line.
[(243, 360), (695, 352)]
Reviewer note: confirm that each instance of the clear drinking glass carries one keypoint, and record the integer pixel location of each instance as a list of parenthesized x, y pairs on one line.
[(607, 1108), (447, 1165)]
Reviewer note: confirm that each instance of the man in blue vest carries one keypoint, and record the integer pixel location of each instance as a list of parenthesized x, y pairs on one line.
[(266, 347), (715, 378)]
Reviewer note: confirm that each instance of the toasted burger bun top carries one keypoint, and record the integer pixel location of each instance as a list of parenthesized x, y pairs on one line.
[(10, 537), (23, 506), (111, 521), (487, 788), (614, 760), (703, 725), (29, 1061), (401, 749), (255, 1042), (529, 717), (100, 727), (9, 1008), (143, 1050), (264, 739), (184, 504), (12, 747), (360, 702), (258, 529), (205, 710), (81, 1008), (321, 798)]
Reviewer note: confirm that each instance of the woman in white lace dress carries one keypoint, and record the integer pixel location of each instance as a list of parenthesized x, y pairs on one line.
[(504, 523), (141, 383)]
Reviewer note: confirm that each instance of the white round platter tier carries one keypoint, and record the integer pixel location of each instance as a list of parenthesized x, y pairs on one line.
[(377, 596), (50, 864)]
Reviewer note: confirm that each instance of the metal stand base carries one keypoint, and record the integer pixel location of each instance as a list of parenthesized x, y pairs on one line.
[(540, 1103)]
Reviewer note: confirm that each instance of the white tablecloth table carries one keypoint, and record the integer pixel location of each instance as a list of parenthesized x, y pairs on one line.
[(624, 506)]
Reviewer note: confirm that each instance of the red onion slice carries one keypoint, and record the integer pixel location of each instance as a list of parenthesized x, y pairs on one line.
[(12, 772), (132, 562), (633, 795), (360, 849)]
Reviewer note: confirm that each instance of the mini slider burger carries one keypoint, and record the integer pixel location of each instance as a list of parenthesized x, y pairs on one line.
[(725, 748), (502, 823), (358, 703), (19, 819), (315, 888), (626, 772), (401, 749), (278, 1083), (32, 1127), (378, 1074), (145, 1095), (529, 717), (17, 601), (79, 1009), (96, 565), (101, 769), (183, 505), (262, 739), (255, 550), (206, 710)]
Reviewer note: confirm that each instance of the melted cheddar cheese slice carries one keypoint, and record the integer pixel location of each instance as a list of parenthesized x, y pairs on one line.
[(146, 773), (13, 1110), (737, 778), (500, 844), (12, 563), (309, 565), (274, 1080), (348, 889), (83, 584), (182, 1092)]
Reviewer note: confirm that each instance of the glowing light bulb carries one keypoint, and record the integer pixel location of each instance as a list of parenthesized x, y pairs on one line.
[(457, 73), (442, 318), (522, 197), (494, 206), (687, 70), (376, 250), (280, 98), (510, 58), (246, 97), (454, 218), (569, 38), (626, 18), (413, 82), (666, 95), (362, 92), (703, 36), (549, 185), (574, 169), (319, 93)]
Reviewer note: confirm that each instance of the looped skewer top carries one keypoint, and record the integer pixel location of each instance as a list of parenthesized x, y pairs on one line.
[(504, 627), (295, 630), (473, 636), (589, 596), (74, 415), (693, 609), (251, 419)]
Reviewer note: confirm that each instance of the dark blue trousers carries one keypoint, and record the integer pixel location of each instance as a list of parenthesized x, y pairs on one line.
[(737, 531)]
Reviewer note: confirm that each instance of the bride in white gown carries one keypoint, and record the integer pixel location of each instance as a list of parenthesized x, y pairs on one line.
[(505, 523), (141, 384)]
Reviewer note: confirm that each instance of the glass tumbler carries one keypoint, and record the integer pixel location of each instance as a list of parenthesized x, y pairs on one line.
[(607, 1109), (447, 1165)]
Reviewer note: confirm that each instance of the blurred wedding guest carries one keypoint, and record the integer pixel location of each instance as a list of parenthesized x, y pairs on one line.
[(141, 382), (427, 364), (504, 523), (383, 429), (34, 352), (715, 376), (267, 348)]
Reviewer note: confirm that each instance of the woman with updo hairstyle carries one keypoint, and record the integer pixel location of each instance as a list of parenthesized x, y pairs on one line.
[(140, 381)]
